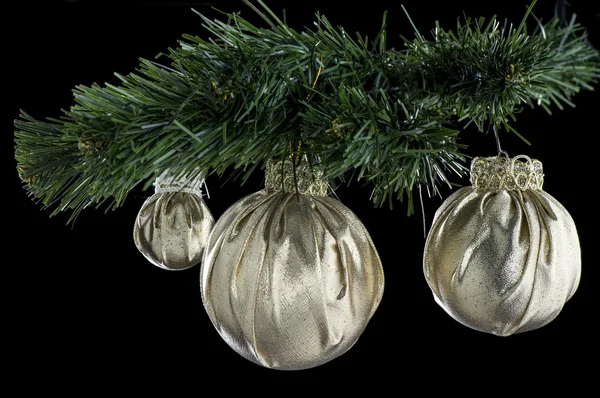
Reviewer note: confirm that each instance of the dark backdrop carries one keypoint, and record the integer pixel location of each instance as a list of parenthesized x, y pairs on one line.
[(84, 308)]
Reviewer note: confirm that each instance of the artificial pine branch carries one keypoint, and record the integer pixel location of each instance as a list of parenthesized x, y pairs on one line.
[(352, 108)]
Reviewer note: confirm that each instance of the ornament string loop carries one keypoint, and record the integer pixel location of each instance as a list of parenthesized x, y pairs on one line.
[(503, 153)]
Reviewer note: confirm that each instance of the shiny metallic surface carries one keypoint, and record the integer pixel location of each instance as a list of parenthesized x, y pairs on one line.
[(502, 261), (173, 225), (290, 281)]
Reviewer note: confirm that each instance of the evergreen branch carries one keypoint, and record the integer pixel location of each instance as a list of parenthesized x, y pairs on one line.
[(351, 108), (484, 73)]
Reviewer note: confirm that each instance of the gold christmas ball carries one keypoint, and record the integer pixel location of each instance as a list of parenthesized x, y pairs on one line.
[(290, 280), (173, 225), (502, 255)]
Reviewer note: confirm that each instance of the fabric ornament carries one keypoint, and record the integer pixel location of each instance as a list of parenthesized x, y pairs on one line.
[(290, 277), (173, 225), (502, 255)]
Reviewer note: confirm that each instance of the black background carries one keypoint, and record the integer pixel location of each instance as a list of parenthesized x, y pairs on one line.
[(84, 311)]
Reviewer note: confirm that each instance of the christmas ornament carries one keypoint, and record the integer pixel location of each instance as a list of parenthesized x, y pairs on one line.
[(502, 255), (290, 278), (174, 223)]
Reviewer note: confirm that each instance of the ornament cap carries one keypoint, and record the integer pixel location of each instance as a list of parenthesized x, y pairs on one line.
[(190, 182), (279, 176), (504, 173)]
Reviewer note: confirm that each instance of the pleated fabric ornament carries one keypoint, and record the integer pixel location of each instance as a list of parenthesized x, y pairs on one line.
[(502, 255), (290, 279), (173, 225)]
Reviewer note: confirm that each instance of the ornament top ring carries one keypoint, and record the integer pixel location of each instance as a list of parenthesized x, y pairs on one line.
[(286, 176), (190, 182), (496, 173)]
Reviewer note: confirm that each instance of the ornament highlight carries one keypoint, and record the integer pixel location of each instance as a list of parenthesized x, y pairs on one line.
[(502, 255), (173, 225), (290, 279)]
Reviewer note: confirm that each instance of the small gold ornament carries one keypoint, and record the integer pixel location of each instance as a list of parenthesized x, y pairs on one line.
[(174, 223), (502, 255), (290, 280)]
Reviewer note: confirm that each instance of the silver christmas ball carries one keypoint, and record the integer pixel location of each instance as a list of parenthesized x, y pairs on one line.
[(290, 281), (173, 225), (502, 255)]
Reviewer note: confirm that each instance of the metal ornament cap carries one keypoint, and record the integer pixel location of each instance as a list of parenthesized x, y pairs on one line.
[(503, 256), (503, 173)]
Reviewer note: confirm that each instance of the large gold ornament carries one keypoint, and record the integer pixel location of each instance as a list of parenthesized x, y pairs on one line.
[(173, 225), (502, 255), (290, 279)]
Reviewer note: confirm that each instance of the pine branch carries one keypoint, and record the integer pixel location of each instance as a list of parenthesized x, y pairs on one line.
[(352, 108), (485, 73)]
